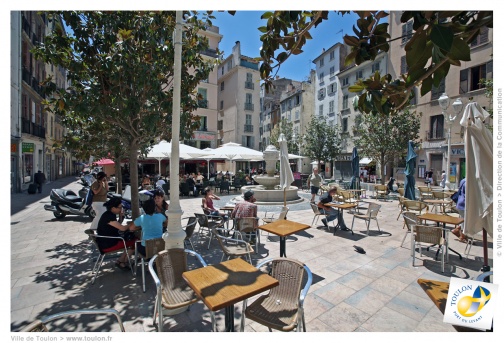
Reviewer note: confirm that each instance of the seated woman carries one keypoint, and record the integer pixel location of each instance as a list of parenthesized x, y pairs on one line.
[(207, 203), (161, 206), (150, 222), (248, 180), (110, 226)]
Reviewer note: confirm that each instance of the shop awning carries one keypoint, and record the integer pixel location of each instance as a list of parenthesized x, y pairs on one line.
[(365, 161)]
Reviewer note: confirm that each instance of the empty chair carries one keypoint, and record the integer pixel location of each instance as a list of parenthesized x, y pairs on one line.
[(209, 223), (104, 252), (380, 192), (189, 230), (224, 187), (282, 308), (410, 220), (40, 325), (428, 235), (415, 206), (248, 226), (237, 184), (401, 199), (371, 214), (425, 192), (233, 247), (172, 291), (274, 217), (316, 214), (152, 247)]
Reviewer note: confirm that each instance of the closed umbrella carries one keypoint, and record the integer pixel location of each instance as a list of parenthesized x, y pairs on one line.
[(355, 182), (409, 181), (286, 177), (479, 175)]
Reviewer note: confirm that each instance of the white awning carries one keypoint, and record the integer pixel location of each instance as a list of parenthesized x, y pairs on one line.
[(365, 161)]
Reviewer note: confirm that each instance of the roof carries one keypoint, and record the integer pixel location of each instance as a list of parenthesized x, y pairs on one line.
[(325, 52)]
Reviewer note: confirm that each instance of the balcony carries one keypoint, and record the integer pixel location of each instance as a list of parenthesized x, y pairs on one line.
[(32, 128), (434, 135), (203, 103), (210, 52), (249, 107), (248, 128), (249, 85)]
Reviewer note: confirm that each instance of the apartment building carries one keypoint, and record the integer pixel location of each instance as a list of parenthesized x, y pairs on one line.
[(33, 130), (461, 82), (238, 100)]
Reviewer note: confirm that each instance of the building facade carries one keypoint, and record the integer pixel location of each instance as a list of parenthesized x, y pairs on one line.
[(461, 82)]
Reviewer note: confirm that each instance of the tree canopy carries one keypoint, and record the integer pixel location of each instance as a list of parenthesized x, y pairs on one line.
[(440, 39), (321, 142)]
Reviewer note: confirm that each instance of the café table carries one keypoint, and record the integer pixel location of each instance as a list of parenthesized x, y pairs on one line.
[(283, 228), (224, 284), (445, 219), (341, 223), (438, 293)]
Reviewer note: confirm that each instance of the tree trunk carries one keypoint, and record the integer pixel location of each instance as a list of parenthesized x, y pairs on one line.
[(382, 169), (118, 175), (133, 166)]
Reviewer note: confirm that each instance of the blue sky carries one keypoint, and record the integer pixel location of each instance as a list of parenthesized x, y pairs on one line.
[(243, 27)]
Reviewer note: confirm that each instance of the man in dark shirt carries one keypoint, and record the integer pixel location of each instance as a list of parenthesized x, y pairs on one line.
[(39, 180), (330, 212)]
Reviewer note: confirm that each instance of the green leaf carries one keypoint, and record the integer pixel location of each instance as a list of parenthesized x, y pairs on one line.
[(426, 86), (266, 15), (351, 40), (263, 29), (356, 88), (442, 37), (460, 50), (282, 57)]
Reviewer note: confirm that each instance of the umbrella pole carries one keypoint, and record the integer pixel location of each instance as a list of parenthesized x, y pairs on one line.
[(486, 267)]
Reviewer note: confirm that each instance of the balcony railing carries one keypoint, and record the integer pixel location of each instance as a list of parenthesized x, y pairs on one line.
[(203, 103), (32, 128), (249, 107), (249, 85), (210, 52), (248, 128), (434, 135)]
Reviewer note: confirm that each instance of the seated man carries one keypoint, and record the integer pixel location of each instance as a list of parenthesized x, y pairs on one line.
[(246, 208), (331, 212)]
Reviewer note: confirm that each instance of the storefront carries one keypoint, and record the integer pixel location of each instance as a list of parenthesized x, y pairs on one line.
[(342, 167)]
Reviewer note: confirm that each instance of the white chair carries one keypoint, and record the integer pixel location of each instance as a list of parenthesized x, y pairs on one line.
[(316, 213), (371, 214)]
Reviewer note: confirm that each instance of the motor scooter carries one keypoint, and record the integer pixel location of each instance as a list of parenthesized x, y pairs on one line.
[(64, 201), (143, 195)]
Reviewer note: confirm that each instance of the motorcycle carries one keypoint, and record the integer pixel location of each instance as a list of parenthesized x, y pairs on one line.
[(64, 201)]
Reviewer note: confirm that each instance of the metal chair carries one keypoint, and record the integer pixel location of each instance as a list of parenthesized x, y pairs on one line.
[(248, 226), (415, 206), (152, 247), (233, 247), (381, 192), (208, 222), (224, 187), (282, 308), (371, 214), (104, 252), (316, 213), (401, 199), (485, 275), (428, 235), (189, 230), (410, 220), (172, 291), (273, 218), (40, 325), (425, 192)]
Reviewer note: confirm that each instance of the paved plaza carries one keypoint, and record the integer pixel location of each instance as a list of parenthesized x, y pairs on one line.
[(51, 261)]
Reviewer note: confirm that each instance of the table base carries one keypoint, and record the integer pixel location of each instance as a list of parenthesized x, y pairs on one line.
[(229, 319), (282, 246), (340, 226)]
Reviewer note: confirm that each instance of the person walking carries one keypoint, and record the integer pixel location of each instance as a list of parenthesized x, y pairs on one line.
[(443, 179), (39, 179), (314, 181), (99, 189)]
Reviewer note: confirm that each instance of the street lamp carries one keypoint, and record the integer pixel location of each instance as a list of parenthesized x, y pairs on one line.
[(444, 102)]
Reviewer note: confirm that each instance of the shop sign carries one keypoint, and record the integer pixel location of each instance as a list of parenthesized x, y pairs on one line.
[(457, 152), (198, 136), (344, 158), (28, 147)]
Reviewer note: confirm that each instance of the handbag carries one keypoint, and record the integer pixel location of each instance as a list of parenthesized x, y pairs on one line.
[(455, 196)]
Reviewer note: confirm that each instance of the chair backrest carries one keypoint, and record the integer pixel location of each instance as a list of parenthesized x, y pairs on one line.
[(224, 185), (428, 234), (154, 246), (202, 219), (315, 209), (410, 219), (246, 224), (381, 188), (440, 195), (415, 205), (170, 264), (92, 236), (191, 225), (400, 191), (373, 209)]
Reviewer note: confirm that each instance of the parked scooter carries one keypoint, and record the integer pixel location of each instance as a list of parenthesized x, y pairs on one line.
[(64, 201), (143, 195)]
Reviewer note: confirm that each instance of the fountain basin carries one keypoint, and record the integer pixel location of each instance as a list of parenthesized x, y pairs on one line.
[(266, 196)]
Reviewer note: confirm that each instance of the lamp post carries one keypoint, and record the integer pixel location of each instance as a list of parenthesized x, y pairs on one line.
[(444, 102)]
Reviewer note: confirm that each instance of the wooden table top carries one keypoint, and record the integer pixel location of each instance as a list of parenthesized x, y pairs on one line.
[(343, 206), (441, 218), (227, 208), (284, 228), (228, 282)]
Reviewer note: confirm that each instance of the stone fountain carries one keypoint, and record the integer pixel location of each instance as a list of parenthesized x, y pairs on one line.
[(268, 191)]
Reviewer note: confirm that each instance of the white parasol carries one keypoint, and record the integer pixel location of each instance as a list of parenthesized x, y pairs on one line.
[(479, 174)]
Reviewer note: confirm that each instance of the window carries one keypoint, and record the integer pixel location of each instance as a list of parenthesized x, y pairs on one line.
[(220, 124), (345, 102), (331, 106), (404, 65), (229, 65), (321, 77), (222, 104), (248, 141), (436, 92), (407, 32), (358, 75), (321, 93), (321, 110), (283, 107), (470, 77), (332, 88), (344, 81), (222, 86), (248, 119), (248, 98), (481, 38), (222, 71), (437, 127), (331, 71), (289, 105), (203, 124), (25, 107), (375, 67), (344, 125), (249, 77), (331, 55), (297, 100), (321, 63)]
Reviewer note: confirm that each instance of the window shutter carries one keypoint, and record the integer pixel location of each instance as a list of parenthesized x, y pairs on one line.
[(489, 70), (244, 140), (463, 81), (252, 142), (483, 38)]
